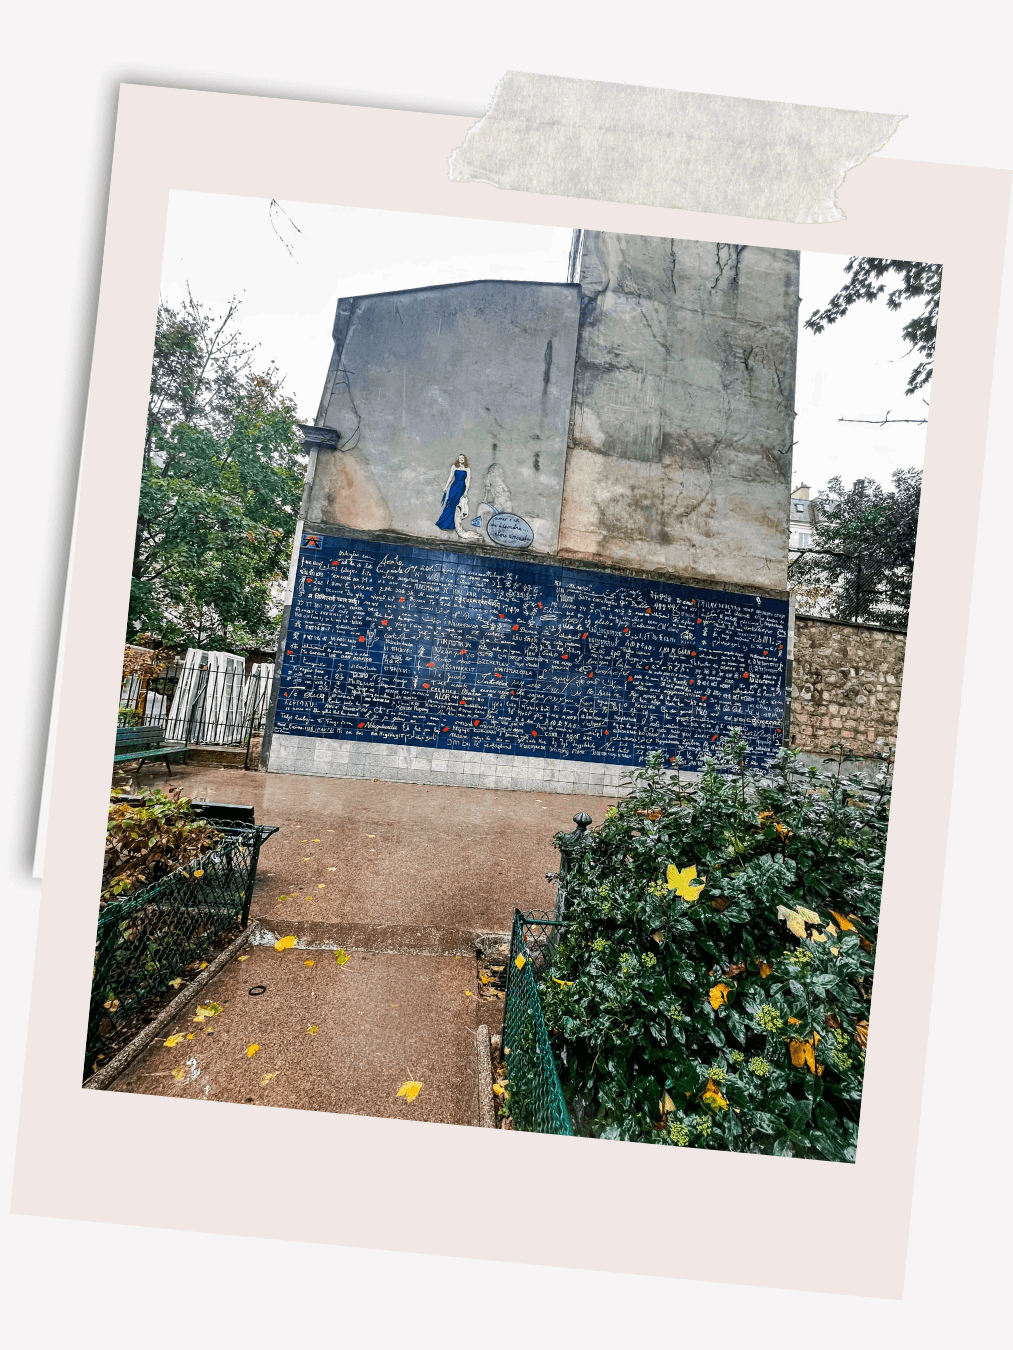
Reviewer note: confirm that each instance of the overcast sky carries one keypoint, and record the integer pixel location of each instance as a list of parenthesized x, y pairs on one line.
[(289, 264)]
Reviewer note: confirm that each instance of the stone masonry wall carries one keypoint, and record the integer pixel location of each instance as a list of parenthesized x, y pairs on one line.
[(846, 684)]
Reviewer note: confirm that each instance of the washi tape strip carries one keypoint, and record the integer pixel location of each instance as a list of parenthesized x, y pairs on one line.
[(659, 147)]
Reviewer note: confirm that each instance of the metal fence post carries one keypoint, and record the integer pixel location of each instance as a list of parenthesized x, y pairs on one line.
[(570, 845)]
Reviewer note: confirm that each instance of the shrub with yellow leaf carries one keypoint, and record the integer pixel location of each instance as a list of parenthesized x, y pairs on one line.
[(693, 987)]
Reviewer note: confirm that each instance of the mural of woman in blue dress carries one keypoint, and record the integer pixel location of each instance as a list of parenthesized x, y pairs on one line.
[(455, 498)]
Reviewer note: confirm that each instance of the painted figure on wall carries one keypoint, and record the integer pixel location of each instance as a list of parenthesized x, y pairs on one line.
[(455, 499)]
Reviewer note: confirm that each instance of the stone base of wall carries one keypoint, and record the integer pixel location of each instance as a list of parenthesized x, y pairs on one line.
[(457, 768)]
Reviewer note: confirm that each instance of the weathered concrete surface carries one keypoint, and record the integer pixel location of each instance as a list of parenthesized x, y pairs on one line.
[(380, 1020), (358, 853), (483, 369), (846, 687), (680, 449)]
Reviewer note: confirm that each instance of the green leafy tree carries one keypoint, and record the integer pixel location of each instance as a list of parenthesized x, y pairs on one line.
[(712, 983), (221, 481), (918, 281), (861, 561)]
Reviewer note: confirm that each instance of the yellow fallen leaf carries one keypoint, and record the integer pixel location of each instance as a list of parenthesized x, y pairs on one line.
[(485, 979), (519, 962), (316, 841), (174, 984), (566, 984), (199, 872), (332, 869), (320, 885), (312, 1031), (207, 1010), (370, 836), (468, 994), (189, 1035), (179, 1074), (809, 915), (203, 966), (803, 1054), (719, 995), (713, 1096), (819, 937), (765, 970), (173, 1041), (251, 1050), (245, 958), (342, 957), (308, 963), (843, 924), (409, 1090), (112, 1004), (795, 922), (283, 944), (681, 882), (267, 1078), (666, 1104)]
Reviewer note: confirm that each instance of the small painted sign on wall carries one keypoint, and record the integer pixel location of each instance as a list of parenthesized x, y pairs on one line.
[(510, 531)]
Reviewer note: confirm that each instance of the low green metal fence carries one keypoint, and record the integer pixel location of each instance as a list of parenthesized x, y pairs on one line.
[(146, 940), (536, 1097)]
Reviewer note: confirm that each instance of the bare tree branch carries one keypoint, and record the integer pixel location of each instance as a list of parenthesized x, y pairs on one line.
[(886, 421)]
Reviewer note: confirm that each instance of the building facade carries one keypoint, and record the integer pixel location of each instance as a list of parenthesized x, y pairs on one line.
[(551, 534)]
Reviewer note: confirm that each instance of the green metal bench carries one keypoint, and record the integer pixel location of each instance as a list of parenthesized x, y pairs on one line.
[(143, 743)]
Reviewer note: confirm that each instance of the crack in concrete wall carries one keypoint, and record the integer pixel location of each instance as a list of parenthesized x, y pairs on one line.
[(679, 452)]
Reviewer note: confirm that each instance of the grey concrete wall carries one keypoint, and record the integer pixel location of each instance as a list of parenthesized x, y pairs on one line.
[(680, 448), (483, 369)]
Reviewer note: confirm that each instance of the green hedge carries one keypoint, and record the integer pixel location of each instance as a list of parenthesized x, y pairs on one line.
[(711, 988)]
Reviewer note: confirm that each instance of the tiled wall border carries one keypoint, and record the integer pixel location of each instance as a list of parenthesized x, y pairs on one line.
[(326, 757)]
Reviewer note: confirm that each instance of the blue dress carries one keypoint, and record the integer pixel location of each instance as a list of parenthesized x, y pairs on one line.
[(451, 499)]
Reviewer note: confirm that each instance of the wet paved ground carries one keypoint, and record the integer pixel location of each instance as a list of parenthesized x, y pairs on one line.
[(334, 1038), (403, 877)]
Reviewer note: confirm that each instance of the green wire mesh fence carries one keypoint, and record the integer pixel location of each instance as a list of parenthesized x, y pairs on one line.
[(536, 1097), (147, 940)]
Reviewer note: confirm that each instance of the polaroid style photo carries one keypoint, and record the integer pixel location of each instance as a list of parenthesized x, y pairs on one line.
[(497, 755)]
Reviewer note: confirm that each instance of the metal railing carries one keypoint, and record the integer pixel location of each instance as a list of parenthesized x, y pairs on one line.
[(199, 704), (147, 940), (536, 1096)]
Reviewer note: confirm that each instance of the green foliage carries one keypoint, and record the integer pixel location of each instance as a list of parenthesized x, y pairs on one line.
[(146, 841), (919, 281), (863, 550), (735, 1019), (221, 482)]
